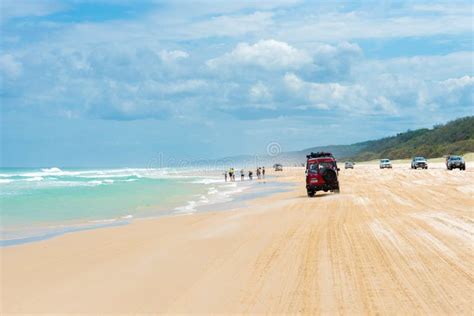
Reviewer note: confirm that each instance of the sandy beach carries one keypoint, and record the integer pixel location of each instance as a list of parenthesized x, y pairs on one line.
[(393, 242)]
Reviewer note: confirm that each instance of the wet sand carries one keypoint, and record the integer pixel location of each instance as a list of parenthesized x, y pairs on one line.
[(393, 242)]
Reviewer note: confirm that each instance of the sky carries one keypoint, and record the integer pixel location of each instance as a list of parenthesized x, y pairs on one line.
[(120, 83)]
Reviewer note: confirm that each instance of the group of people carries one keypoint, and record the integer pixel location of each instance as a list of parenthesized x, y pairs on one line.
[(230, 175)]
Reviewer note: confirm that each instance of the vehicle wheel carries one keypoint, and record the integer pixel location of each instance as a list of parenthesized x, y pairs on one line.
[(329, 176), (337, 191), (311, 193)]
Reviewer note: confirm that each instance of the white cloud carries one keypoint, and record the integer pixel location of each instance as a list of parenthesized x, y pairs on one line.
[(337, 26), (13, 8), (434, 67), (353, 97), (230, 25), (9, 66), (453, 92), (213, 8), (458, 83), (173, 55), (293, 82), (386, 105), (267, 54), (185, 86), (332, 50), (260, 92), (443, 8), (146, 66)]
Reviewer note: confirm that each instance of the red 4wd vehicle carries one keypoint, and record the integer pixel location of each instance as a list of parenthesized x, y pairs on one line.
[(321, 173)]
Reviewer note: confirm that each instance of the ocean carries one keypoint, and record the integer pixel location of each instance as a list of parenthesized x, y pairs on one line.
[(42, 203)]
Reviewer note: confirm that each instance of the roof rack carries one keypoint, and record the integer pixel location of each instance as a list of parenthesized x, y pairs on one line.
[(319, 154)]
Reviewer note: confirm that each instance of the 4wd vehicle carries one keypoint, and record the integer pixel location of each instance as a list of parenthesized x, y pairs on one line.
[(385, 163), (278, 167), (453, 162), (321, 173), (348, 165), (419, 162)]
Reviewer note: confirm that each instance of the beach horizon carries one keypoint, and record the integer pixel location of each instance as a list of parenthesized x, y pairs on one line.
[(279, 253)]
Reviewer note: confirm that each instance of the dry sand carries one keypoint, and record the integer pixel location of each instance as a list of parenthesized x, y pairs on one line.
[(393, 242)]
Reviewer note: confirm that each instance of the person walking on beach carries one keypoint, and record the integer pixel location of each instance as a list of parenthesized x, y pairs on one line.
[(225, 176), (231, 174), (258, 173), (241, 174), (263, 172), (250, 175)]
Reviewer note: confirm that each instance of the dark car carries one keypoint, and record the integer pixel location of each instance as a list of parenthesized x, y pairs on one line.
[(454, 162), (321, 173)]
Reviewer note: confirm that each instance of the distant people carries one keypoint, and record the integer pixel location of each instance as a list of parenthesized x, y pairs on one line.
[(231, 174), (242, 175), (225, 176), (258, 173), (263, 172), (250, 175)]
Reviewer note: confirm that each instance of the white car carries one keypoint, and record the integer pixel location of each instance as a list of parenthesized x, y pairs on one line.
[(419, 162), (385, 163), (349, 165)]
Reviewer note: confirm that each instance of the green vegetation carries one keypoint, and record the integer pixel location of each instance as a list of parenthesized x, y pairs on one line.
[(455, 137)]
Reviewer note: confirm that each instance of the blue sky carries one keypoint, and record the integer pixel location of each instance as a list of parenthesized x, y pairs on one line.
[(118, 83)]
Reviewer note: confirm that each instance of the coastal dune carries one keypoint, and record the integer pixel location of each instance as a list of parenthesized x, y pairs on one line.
[(393, 242)]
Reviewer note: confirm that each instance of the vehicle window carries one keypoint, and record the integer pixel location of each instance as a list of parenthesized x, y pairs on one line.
[(313, 168), (323, 165)]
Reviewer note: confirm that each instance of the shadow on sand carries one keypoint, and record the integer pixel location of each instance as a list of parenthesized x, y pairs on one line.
[(318, 195)]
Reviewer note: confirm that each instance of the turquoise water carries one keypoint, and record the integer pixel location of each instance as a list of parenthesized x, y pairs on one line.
[(38, 204), (39, 201)]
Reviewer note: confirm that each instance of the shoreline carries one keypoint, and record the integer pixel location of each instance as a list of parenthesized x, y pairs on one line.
[(285, 253), (231, 201)]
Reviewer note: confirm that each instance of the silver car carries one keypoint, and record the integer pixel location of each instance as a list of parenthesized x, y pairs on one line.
[(419, 162), (385, 163)]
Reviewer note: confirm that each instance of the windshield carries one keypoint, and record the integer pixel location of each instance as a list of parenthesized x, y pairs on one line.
[(455, 158), (384, 161), (419, 158)]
